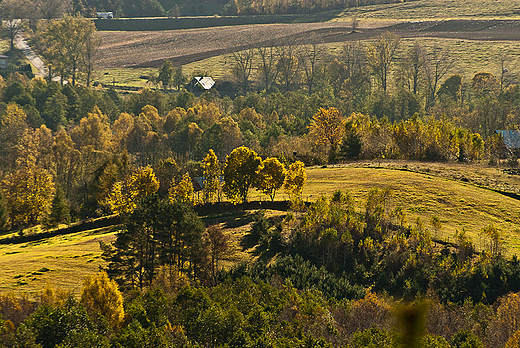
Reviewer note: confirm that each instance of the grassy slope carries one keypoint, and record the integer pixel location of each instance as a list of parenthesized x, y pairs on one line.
[(68, 260), (459, 205), (433, 191)]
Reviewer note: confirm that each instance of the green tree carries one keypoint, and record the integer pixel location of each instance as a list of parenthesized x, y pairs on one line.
[(466, 339), (373, 338), (101, 295), (59, 212), (69, 45), (157, 233), (4, 212), (178, 78), (55, 111), (240, 173), (270, 176), (67, 325), (166, 74), (295, 178)]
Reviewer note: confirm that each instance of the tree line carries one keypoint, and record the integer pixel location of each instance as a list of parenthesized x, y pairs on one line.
[(58, 137)]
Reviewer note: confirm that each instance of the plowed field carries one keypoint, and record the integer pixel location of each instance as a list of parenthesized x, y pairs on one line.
[(150, 48)]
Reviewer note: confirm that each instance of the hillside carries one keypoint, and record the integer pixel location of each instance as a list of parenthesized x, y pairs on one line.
[(423, 190)]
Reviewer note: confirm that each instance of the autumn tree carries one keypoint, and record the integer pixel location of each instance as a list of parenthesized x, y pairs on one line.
[(12, 12), (29, 192), (101, 295), (125, 195), (54, 8), (183, 191), (66, 160), (494, 239), (295, 178), (413, 66), (380, 55), (270, 176), (194, 133), (217, 244), (327, 128), (69, 45), (212, 173), (354, 69), (240, 173), (13, 127)]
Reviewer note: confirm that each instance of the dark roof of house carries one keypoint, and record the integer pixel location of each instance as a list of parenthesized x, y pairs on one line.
[(511, 138), (204, 82)]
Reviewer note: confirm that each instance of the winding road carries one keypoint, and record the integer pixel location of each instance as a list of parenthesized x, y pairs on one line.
[(31, 56)]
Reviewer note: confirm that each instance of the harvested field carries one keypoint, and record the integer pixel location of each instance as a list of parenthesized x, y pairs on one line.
[(151, 48)]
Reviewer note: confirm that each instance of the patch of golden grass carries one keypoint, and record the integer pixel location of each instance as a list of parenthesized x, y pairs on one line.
[(63, 261), (459, 205)]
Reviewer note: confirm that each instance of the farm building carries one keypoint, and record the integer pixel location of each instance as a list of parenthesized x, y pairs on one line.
[(201, 84), (511, 140)]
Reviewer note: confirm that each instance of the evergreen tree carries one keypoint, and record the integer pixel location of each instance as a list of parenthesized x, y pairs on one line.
[(59, 209), (4, 214)]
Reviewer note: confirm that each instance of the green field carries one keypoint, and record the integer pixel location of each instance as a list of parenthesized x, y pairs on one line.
[(423, 190)]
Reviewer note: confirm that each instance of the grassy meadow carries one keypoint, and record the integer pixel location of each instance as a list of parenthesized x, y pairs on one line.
[(63, 261), (459, 205), (422, 190)]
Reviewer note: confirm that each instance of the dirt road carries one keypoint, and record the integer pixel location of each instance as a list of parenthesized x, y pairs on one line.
[(28, 52)]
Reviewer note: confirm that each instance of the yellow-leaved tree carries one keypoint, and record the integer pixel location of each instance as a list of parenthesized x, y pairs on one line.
[(295, 178), (270, 176), (101, 295), (124, 195), (183, 191), (211, 174), (29, 192), (327, 127), (240, 173)]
